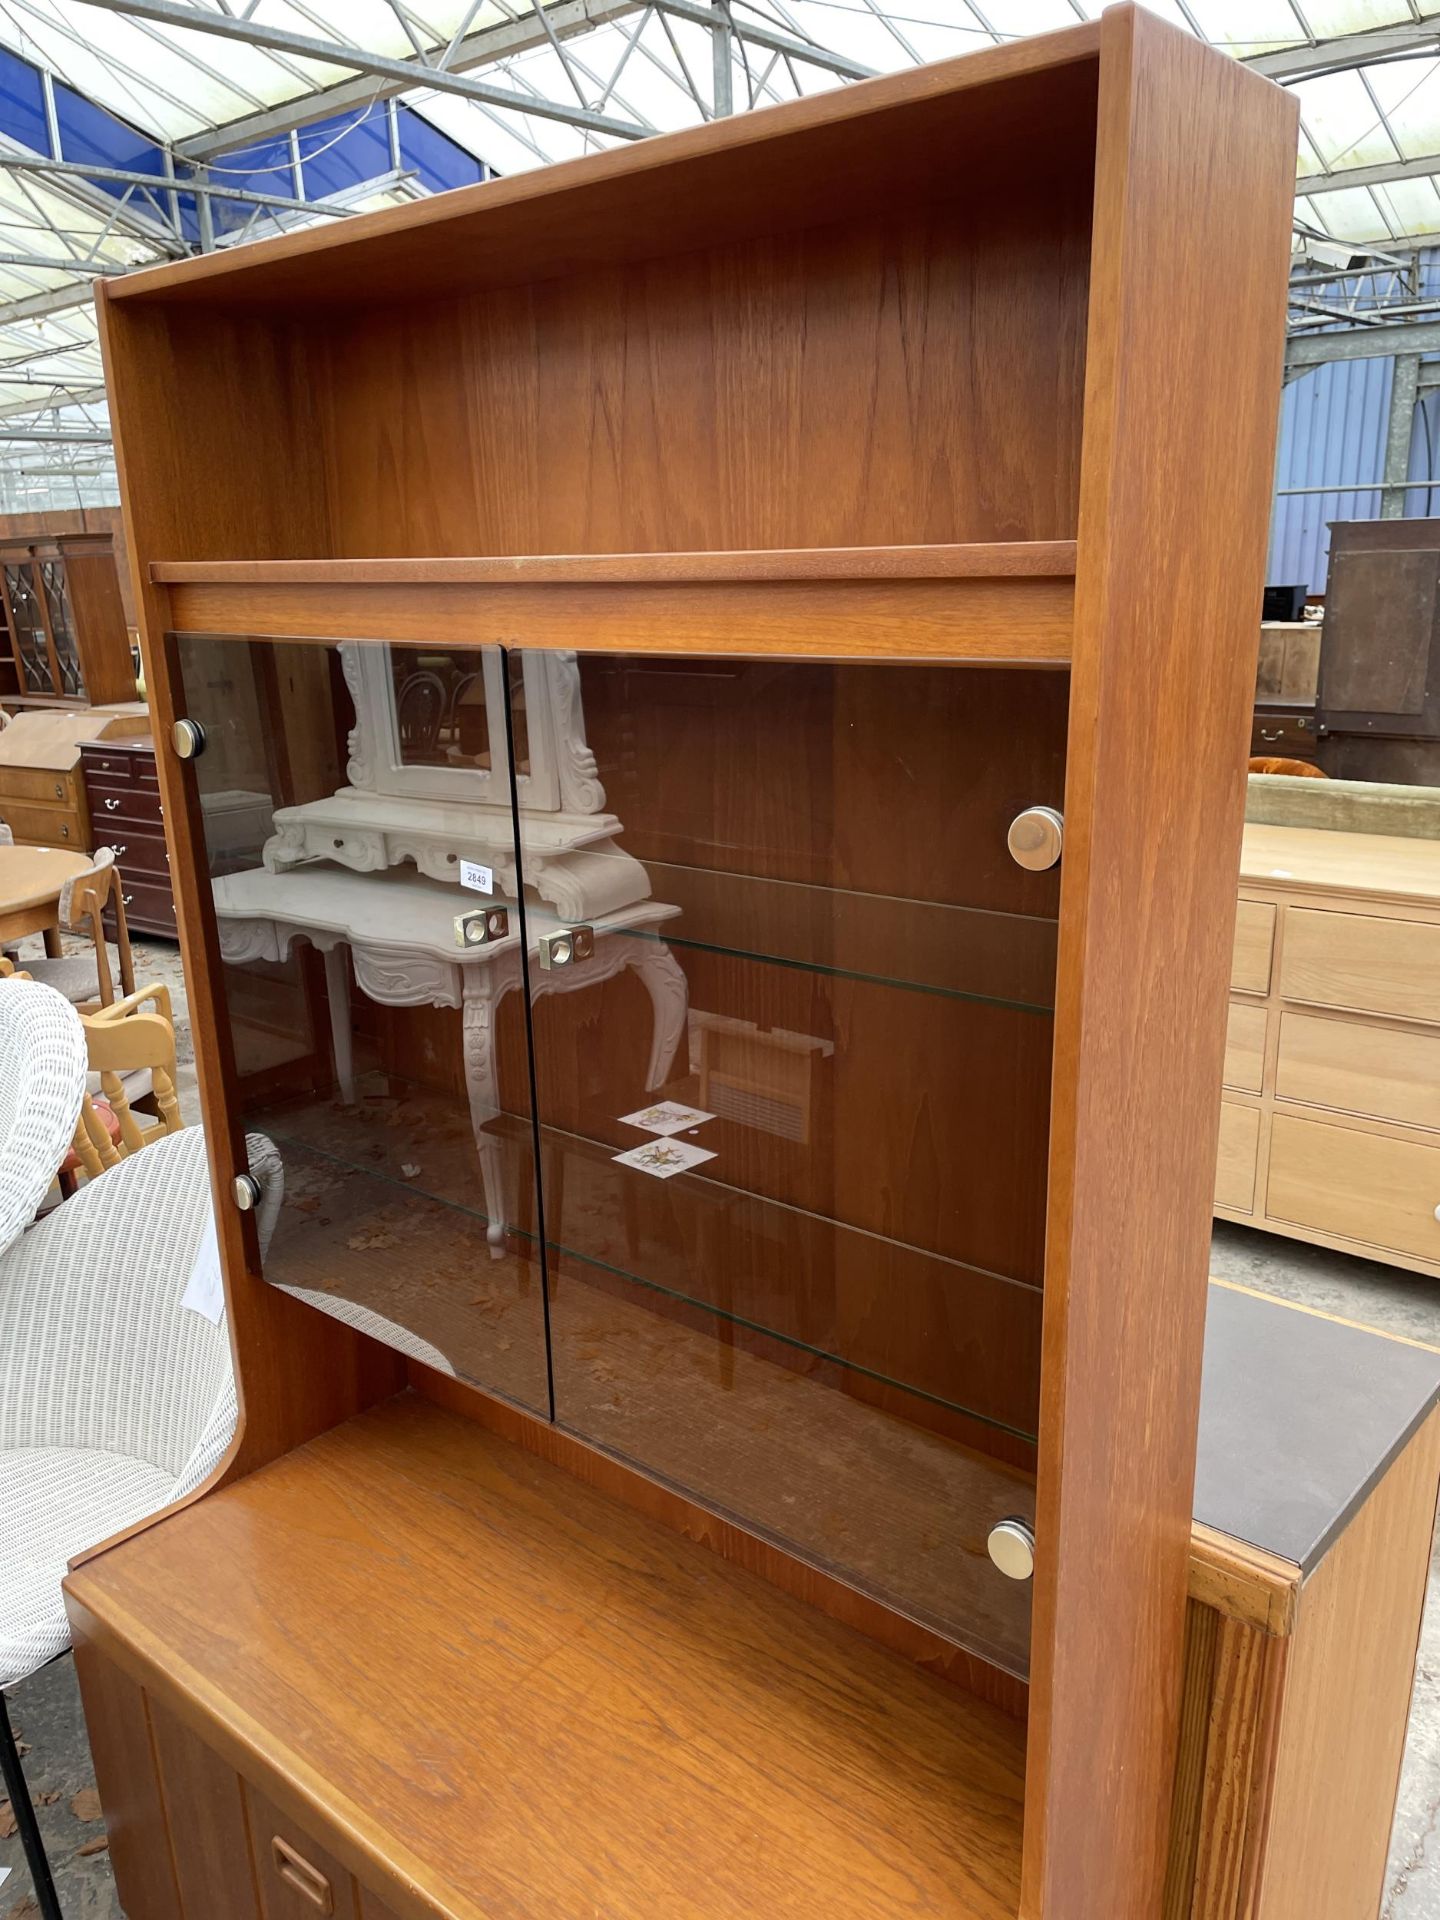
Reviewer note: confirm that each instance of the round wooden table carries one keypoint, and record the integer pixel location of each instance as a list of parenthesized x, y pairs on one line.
[(30, 883)]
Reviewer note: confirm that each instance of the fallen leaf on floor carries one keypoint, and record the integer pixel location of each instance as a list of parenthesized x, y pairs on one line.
[(86, 1804), (46, 1799), (98, 1845), (25, 1909), (7, 1820)]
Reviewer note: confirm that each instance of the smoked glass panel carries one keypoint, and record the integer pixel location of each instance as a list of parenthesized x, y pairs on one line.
[(29, 622), (792, 1011), (376, 1043)]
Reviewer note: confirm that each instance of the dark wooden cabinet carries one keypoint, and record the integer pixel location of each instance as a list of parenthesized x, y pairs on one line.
[(127, 815), (1286, 729), (1380, 660), (65, 622)]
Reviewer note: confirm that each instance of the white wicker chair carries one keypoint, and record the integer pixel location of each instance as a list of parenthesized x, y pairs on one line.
[(115, 1400), (43, 1064)]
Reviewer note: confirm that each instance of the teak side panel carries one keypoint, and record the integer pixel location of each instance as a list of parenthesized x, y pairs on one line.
[(296, 1372), (1195, 164), (1347, 1688)]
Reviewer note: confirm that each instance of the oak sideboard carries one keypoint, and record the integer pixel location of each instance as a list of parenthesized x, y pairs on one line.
[(1330, 1126)]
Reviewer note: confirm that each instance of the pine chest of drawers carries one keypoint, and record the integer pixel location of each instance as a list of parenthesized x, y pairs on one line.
[(1330, 1128), (126, 815)]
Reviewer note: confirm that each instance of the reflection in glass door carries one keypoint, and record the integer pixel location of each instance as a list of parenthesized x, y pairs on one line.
[(364, 882), (791, 1002), (725, 969)]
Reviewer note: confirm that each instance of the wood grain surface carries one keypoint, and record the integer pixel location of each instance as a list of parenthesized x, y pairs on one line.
[(1347, 1691), (439, 1654), (998, 560), (1025, 619), (1175, 486), (867, 148)]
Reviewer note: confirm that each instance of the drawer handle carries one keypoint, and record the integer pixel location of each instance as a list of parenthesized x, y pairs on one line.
[(59, 789), (296, 1871), (111, 806), (126, 898), (117, 848), (1279, 734), (64, 833)]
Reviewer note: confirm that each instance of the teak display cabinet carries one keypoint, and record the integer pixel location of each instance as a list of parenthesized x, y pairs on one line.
[(625, 608), (65, 620)]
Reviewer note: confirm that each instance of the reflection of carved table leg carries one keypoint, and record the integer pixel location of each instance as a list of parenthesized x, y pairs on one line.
[(669, 991), (342, 1039), (477, 1024)]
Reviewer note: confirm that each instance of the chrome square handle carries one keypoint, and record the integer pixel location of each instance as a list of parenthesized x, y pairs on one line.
[(567, 948), (480, 927)]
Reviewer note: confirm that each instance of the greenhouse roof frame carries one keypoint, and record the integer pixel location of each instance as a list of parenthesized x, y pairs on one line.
[(135, 131)]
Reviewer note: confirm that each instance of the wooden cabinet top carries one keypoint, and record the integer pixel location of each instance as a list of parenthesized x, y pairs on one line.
[(1309, 859)]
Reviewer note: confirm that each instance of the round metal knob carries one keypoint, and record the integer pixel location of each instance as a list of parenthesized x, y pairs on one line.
[(1035, 838), (189, 738), (1012, 1548), (246, 1191)]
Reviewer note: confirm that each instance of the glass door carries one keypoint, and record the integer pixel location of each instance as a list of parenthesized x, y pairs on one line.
[(55, 580), (664, 1045), (28, 620), (791, 1005), (372, 985)]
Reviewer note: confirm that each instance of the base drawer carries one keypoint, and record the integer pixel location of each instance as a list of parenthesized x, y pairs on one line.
[(1357, 1186), (1380, 1072), (47, 826), (148, 905), (1254, 941), (1235, 1166), (1245, 1047), (1355, 960), (141, 853), (58, 789)]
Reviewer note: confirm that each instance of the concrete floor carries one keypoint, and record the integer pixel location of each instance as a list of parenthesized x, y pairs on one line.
[(46, 1712)]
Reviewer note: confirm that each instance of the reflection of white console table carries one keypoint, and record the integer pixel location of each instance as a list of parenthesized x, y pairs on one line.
[(399, 927)]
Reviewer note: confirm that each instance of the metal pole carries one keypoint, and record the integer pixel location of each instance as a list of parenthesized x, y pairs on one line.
[(23, 1809), (722, 52), (1403, 391)]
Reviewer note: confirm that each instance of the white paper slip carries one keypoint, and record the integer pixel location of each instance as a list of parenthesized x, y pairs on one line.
[(666, 1116), (663, 1158), (205, 1292), (479, 879), (4, 1875)]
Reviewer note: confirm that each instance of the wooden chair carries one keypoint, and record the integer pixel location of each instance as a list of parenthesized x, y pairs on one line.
[(88, 982), (131, 1036)]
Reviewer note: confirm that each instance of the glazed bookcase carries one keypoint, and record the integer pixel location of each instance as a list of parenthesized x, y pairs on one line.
[(625, 608)]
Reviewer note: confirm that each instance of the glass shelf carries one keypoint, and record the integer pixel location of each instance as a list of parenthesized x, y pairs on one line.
[(914, 946)]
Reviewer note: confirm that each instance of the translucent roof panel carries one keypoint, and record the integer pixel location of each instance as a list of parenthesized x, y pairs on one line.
[(274, 113)]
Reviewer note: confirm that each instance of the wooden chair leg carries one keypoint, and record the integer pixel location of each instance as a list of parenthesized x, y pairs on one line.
[(46, 1898)]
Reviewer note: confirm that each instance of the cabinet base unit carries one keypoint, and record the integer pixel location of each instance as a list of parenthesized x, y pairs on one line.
[(1332, 1071), (706, 903)]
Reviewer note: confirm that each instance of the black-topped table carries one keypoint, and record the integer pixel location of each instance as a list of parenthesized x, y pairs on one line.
[(1315, 1496)]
